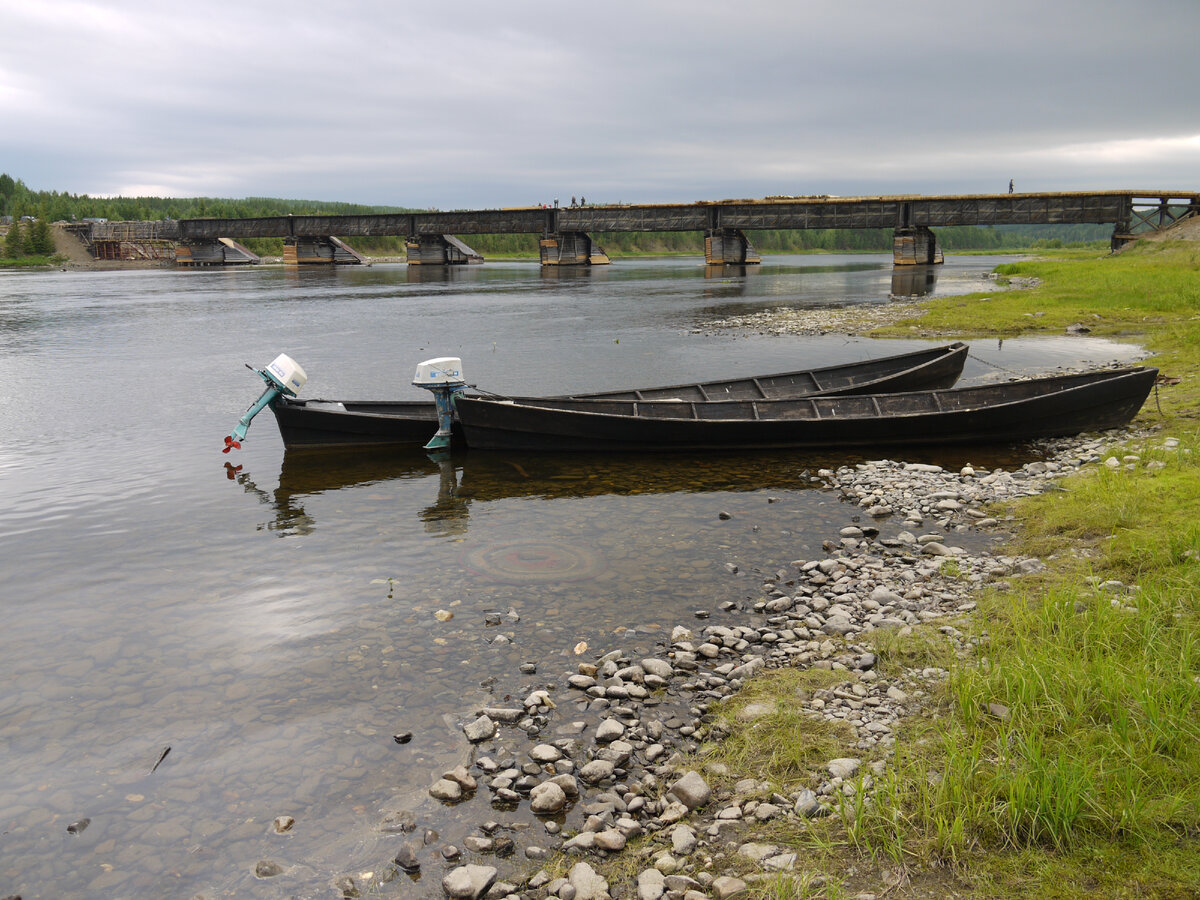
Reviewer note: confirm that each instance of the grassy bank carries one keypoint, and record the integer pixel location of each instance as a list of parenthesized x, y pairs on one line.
[(1061, 758)]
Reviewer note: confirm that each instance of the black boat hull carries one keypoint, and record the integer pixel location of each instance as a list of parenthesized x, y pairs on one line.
[(1005, 413), (367, 423)]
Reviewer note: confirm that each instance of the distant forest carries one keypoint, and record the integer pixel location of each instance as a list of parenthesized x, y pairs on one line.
[(17, 200)]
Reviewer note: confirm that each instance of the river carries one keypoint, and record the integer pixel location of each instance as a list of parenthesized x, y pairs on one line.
[(275, 620)]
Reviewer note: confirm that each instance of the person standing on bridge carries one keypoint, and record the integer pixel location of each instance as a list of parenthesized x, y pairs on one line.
[(1010, 185)]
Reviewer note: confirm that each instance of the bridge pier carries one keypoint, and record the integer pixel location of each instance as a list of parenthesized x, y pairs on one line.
[(217, 252), (571, 248), (729, 246), (915, 245), (325, 250), (440, 250)]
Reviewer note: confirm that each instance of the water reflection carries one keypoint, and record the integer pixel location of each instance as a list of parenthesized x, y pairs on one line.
[(465, 478), (914, 281), (448, 514), (454, 483), (424, 274), (574, 272), (729, 270)]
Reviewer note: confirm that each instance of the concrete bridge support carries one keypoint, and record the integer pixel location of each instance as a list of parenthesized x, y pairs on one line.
[(325, 250), (440, 250), (571, 248), (729, 246), (915, 245), (217, 252)]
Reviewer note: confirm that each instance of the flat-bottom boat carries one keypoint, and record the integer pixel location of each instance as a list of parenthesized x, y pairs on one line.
[(351, 423), (997, 413)]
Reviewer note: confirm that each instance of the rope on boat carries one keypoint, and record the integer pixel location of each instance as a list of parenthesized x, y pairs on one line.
[(987, 362)]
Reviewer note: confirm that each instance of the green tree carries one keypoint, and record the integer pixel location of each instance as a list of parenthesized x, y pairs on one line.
[(14, 241), (41, 240)]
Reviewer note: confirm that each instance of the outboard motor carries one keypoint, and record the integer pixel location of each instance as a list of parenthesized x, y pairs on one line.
[(283, 376), (443, 376)]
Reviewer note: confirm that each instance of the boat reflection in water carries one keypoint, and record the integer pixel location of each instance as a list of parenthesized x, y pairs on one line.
[(447, 485), (465, 478), (914, 281)]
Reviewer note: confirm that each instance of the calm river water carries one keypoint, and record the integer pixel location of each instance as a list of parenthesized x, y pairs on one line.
[(275, 626)]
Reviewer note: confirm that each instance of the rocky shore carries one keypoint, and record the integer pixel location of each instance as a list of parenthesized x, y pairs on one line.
[(854, 318), (608, 762)]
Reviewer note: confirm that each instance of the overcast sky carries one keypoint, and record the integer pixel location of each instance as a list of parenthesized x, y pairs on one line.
[(483, 103)]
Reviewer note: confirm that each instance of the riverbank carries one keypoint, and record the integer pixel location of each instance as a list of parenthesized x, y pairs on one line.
[(915, 719)]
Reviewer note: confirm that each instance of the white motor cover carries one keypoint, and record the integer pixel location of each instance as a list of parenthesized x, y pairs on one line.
[(443, 370), (287, 373)]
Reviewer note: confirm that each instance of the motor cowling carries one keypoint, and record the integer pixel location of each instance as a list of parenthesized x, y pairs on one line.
[(283, 376), (443, 377)]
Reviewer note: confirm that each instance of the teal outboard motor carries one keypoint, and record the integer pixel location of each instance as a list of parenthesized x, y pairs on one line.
[(283, 376), (443, 376)]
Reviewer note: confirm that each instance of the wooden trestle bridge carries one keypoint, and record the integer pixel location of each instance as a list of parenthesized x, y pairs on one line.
[(564, 233)]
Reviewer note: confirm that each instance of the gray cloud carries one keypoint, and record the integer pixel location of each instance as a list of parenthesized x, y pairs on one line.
[(485, 104)]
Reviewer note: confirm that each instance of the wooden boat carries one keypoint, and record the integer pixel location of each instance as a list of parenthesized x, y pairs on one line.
[(997, 413), (349, 423)]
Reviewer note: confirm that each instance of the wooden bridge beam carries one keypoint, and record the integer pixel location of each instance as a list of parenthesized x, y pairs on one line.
[(915, 245), (571, 248), (729, 246), (439, 250), (325, 250), (216, 252)]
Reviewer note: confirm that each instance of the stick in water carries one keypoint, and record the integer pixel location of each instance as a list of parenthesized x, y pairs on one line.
[(161, 757)]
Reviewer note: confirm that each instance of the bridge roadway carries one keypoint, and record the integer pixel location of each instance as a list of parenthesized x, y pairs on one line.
[(725, 222), (1097, 207)]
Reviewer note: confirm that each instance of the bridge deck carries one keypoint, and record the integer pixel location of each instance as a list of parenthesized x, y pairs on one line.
[(1060, 208)]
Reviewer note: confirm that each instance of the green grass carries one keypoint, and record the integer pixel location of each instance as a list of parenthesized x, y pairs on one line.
[(26, 262), (1062, 758), (784, 744)]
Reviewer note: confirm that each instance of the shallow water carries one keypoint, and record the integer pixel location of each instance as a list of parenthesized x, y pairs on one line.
[(275, 625)]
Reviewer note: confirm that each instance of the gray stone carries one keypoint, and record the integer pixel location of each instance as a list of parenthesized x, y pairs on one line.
[(283, 824), (650, 884), (610, 840), (838, 625), (683, 840), (547, 798), (588, 885), (583, 841), (460, 776), (446, 790), (545, 753), (479, 730), (503, 714), (568, 783), (757, 851), (406, 857), (596, 771), (691, 790), (609, 730), (659, 667), (726, 886), (468, 882), (807, 805), (845, 767), (267, 868)]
